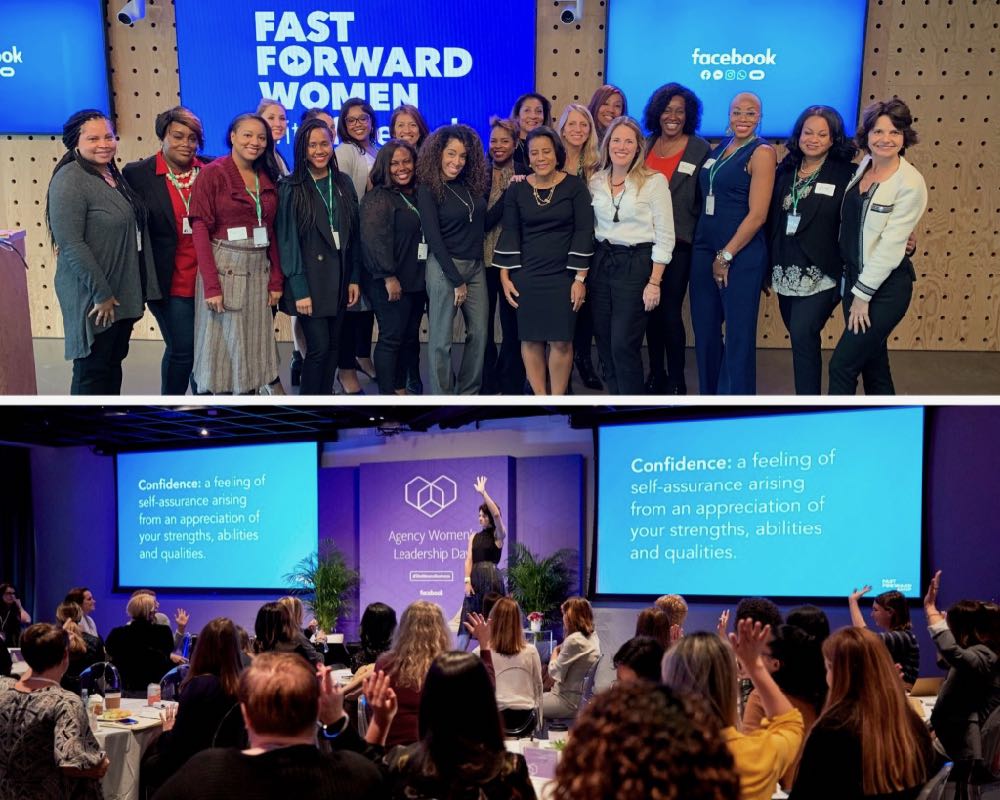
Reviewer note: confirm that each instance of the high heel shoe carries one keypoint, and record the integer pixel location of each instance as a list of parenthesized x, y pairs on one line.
[(360, 368), (585, 369), (344, 391)]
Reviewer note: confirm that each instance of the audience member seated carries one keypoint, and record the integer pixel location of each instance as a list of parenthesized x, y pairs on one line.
[(378, 624), (181, 617), (654, 622), (638, 659), (705, 665), (84, 648), (891, 613), (276, 632), (637, 741), (297, 631), (461, 751), (968, 642), (84, 598), (141, 650), (13, 617), (422, 635), (868, 742), (571, 660), (47, 750), (811, 619), (795, 661), (676, 608), (757, 609), (517, 665), (207, 714), (6, 662), (279, 696)]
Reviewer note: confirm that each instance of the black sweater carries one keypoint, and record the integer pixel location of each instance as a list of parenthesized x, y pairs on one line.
[(447, 228)]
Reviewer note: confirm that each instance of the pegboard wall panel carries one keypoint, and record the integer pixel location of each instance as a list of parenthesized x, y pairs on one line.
[(939, 55)]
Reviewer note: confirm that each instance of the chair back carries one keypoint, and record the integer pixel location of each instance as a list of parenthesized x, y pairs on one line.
[(589, 681), (170, 684), (990, 738), (519, 722), (100, 678), (936, 787)]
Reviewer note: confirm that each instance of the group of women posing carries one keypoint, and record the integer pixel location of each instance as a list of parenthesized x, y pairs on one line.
[(588, 230)]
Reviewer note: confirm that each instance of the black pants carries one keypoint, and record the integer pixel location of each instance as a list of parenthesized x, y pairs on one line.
[(665, 332), (867, 354), (503, 370), (175, 316), (356, 338), (804, 318), (101, 371), (397, 352), (323, 343), (615, 289)]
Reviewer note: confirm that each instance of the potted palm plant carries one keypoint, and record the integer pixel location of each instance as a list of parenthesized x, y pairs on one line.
[(539, 585), (325, 582)]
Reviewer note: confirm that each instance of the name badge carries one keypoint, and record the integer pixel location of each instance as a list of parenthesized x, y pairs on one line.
[(708, 163), (336, 238), (686, 168), (138, 239), (710, 205), (422, 251), (825, 188), (260, 237), (792, 224), (236, 234), (186, 226)]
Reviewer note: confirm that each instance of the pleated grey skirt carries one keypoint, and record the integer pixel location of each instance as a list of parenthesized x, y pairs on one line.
[(235, 351)]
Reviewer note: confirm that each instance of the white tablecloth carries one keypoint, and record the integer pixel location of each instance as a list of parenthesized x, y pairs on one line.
[(125, 749)]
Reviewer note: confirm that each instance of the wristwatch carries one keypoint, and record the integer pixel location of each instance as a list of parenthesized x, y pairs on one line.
[(334, 729), (725, 255), (579, 278)]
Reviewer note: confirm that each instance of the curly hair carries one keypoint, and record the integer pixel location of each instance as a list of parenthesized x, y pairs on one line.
[(660, 99), (638, 742), (421, 636), (473, 174), (841, 148)]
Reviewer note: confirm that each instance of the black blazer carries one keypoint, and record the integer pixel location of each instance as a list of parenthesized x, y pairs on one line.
[(819, 229), (161, 224)]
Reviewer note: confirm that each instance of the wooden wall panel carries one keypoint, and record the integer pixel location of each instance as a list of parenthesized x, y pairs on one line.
[(940, 57)]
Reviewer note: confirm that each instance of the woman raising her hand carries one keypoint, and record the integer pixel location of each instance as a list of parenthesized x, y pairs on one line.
[(481, 573)]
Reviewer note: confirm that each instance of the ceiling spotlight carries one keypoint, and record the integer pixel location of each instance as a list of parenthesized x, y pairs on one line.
[(203, 432)]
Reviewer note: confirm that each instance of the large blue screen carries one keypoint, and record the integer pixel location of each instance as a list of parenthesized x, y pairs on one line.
[(52, 63), (463, 62), (793, 53), (796, 505), (219, 518)]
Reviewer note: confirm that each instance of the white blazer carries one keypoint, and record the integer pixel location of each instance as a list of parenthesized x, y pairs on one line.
[(889, 218)]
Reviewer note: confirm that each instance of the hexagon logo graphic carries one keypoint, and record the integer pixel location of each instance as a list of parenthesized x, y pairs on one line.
[(430, 498)]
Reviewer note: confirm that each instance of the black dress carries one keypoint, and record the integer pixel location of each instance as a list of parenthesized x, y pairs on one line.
[(543, 244), (485, 576)]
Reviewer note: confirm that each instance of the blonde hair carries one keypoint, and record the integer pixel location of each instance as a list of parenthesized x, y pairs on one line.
[(295, 613), (69, 615), (867, 698), (141, 606), (704, 665), (675, 607), (638, 172), (589, 158), (506, 632), (579, 616), (421, 636)]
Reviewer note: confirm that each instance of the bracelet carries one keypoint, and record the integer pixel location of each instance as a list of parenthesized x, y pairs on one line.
[(468, 580), (340, 725), (655, 285)]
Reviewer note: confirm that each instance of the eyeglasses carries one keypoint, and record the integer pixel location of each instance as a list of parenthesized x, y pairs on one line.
[(361, 120), (749, 116)]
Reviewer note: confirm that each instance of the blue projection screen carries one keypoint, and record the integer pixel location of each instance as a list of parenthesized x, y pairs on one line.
[(791, 505), (792, 53), (466, 62), (52, 63), (216, 518)]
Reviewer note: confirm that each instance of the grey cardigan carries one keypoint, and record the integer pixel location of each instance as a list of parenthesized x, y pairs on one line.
[(95, 232), (684, 187)]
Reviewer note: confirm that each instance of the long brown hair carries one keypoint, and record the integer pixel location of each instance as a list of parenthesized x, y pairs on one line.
[(218, 653), (867, 698), (505, 622), (579, 616)]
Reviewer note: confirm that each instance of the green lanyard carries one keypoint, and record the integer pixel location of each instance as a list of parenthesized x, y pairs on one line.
[(327, 202), (798, 189), (719, 162), (414, 209), (256, 197), (185, 199)]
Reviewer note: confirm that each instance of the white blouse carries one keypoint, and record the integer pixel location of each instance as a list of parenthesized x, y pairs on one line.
[(645, 215)]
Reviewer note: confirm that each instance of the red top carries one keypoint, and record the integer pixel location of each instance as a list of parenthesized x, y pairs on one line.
[(220, 201), (665, 165), (185, 259), (405, 727)]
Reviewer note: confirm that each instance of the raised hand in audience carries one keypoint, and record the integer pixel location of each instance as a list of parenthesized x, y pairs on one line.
[(749, 642), (857, 618), (723, 627), (382, 702), (331, 697), (168, 717), (930, 600), (181, 618), (479, 627)]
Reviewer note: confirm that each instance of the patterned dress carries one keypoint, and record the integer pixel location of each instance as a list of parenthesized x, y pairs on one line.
[(40, 732)]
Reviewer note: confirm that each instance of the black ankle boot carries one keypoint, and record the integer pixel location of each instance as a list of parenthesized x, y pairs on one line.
[(296, 368), (656, 383), (585, 368)]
